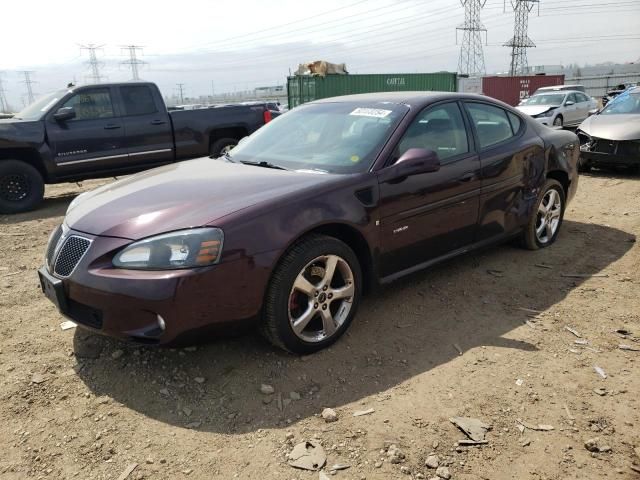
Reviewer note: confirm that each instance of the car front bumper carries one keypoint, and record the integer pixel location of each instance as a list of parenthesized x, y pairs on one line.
[(606, 152), (158, 307)]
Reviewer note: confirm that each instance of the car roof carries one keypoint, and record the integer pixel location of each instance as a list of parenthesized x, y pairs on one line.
[(410, 98), (561, 87)]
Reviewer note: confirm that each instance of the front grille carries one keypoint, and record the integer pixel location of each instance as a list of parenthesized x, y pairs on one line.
[(70, 254), (53, 243), (629, 148)]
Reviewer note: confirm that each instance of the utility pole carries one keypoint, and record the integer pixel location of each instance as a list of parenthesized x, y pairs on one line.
[(28, 82), (4, 104), (520, 40), (133, 61), (93, 62), (471, 55), (180, 88)]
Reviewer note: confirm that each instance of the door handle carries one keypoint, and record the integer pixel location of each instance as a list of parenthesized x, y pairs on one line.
[(111, 126), (158, 122), (467, 177)]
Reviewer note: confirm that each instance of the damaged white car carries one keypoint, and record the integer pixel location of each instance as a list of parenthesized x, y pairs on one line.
[(612, 136), (558, 109)]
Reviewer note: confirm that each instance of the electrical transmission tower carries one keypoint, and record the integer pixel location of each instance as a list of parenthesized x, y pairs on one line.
[(28, 82), (520, 40), (471, 55), (4, 104), (133, 61), (93, 62), (180, 89)]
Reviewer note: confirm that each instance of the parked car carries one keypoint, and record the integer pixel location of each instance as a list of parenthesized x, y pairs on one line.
[(295, 223), (560, 88), (105, 130), (563, 108), (614, 92), (612, 136)]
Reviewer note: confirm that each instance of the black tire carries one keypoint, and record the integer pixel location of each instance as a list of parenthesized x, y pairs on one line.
[(21, 187), (276, 326), (560, 123), (529, 238), (219, 147)]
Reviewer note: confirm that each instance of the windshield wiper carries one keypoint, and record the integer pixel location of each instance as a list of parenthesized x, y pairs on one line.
[(264, 164), (228, 158)]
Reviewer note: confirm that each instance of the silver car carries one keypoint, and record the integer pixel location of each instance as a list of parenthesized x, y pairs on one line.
[(562, 108), (612, 136)]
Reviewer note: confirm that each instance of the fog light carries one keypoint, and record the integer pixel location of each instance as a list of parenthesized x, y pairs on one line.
[(161, 323)]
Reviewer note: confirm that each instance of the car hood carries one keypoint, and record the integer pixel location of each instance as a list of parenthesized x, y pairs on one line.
[(182, 195), (15, 132), (612, 127), (534, 109)]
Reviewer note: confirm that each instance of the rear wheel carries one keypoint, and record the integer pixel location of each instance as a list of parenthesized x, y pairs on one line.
[(222, 146), (558, 121), (313, 295), (545, 221), (21, 187)]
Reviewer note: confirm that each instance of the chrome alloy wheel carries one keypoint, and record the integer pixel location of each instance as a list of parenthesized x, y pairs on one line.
[(548, 218), (321, 298)]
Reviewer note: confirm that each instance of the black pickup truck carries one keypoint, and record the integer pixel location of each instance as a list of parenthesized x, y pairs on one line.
[(105, 130)]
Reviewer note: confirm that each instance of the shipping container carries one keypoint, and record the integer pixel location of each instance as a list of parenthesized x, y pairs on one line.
[(512, 90), (303, 88)]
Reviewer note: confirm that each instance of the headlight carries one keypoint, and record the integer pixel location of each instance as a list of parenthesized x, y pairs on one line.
[(197, 247)]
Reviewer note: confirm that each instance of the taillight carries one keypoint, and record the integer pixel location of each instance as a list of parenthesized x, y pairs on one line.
[(267, 116)]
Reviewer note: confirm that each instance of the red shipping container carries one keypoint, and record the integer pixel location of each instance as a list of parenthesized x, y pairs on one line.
[(512, 90)]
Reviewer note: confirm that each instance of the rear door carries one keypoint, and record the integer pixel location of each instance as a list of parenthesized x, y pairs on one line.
[(428, 215), (94, 139), (149, 136), (506, 154), (584, 105), (572, 112)]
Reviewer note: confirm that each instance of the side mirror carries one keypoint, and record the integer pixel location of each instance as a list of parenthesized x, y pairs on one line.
[(414, 162), (65, 113), (568, 103)]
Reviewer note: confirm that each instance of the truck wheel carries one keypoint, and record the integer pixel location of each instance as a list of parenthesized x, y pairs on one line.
[(313, 295), (21, 187), (222, 146)]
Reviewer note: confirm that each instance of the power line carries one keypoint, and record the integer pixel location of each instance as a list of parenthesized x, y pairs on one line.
[(180, 89), (28, 82), (520, 40), (133, 61), (93, 62), (471, 60)]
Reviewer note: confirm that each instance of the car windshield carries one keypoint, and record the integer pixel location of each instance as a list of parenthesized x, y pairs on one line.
[(551, 99), (39, 108), (624, 103), (342, 137)]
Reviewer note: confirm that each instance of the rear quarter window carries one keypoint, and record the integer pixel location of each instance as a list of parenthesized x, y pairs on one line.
[(492, 124)]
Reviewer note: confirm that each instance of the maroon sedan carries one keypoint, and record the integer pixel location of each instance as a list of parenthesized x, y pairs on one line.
[(295, 223)]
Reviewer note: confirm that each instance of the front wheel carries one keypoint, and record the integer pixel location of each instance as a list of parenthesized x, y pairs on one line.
[(313, 295), (545, 221), (21, 187), (557, 122)]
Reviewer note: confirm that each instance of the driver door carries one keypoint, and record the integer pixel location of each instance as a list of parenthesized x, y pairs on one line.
[(426, 216), (94, 139)]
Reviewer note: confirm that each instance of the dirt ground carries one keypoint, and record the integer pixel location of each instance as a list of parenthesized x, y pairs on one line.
[(483, 336)]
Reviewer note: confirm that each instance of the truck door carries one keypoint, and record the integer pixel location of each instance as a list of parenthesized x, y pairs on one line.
[(149, 136), (93, 139)]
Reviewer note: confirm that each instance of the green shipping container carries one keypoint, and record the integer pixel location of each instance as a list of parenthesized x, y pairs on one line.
[(302, 89)]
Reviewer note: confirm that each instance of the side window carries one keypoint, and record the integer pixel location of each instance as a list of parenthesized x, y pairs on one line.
[(138, 100), (438, 128), (515, 122), (91, 104), (582, 97), (572, 98), (492, 124)]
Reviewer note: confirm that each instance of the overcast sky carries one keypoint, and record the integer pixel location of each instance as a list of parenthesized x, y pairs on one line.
[(242, 44)]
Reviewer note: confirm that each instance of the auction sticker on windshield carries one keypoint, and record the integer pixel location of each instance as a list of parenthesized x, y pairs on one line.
[(371, 112)]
